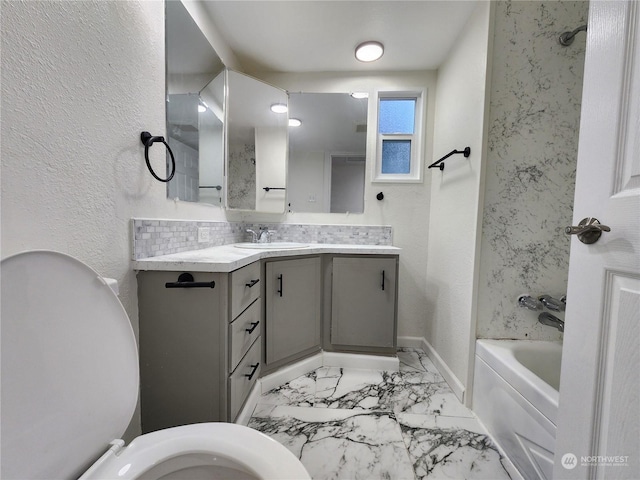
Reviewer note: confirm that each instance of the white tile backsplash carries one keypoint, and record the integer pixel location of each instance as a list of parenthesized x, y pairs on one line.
[(155, 237)]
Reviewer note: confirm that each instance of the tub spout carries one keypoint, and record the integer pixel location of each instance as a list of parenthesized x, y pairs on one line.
[(547, 318)]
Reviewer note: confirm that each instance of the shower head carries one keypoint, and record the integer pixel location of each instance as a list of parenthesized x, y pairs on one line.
[(566, 38)]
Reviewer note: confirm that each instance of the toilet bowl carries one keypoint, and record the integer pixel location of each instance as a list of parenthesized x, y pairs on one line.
[(70, 386)]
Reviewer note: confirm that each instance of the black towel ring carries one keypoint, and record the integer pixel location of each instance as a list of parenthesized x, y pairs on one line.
[(148, 140)]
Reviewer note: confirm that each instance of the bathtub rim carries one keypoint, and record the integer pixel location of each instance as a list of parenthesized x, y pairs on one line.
[(500, 356)]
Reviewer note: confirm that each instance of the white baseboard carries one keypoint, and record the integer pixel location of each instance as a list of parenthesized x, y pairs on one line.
[(420, 342), (354, 360), (288, 373), (411, 342)]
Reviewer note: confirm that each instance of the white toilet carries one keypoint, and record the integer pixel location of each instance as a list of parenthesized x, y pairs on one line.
[(70, 386)]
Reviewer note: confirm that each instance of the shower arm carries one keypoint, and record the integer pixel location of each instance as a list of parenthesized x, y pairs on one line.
[(567, 38)]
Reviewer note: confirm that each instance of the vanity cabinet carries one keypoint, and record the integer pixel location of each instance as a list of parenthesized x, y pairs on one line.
[(363, 304), (292, 305), (200, 347)]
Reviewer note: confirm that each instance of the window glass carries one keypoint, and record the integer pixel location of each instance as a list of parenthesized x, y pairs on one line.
[(399, 144), (396, 156), (397, 115)]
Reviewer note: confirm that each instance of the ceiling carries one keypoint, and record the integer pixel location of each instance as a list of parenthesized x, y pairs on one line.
[(320, 36)]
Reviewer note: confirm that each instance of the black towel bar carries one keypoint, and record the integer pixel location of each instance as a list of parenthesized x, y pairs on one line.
[(466, 152)]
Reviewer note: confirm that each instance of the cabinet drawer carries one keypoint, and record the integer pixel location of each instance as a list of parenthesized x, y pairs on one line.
[(239, 382), (245, 288), (244, 331)]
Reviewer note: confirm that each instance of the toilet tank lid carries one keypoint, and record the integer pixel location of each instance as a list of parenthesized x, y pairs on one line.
[(69, 366)]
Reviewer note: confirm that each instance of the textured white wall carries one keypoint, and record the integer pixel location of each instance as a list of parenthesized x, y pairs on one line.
[(405, 206), (531, 163), (80, 81), (456, 196)]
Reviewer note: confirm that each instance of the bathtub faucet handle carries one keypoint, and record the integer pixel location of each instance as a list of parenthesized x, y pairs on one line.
[(552, 303), (527, 301)]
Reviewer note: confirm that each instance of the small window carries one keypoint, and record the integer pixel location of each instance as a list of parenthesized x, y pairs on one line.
[(399, 137)]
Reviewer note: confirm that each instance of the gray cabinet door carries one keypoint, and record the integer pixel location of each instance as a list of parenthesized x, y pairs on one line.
[(292, 303), (182, 351), (363, 302)]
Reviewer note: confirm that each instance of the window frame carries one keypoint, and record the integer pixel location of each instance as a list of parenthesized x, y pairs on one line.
[(416, 139)]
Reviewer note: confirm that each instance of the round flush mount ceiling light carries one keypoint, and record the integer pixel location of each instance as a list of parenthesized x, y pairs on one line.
[(202, 108), (369, 51), (279, 108), (294, 122)]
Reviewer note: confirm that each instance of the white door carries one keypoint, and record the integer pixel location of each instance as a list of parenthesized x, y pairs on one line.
[(599, 420)]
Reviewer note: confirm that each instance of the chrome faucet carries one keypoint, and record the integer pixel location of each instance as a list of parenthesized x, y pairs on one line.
[(527, 301), (551, 320), (552, 303), (265, 235), (254, 235)]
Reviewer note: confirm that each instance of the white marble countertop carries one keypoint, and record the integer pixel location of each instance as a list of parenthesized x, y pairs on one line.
[(227, 258)]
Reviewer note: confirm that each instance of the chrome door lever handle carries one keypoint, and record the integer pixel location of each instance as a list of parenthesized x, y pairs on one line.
[(588, 230)]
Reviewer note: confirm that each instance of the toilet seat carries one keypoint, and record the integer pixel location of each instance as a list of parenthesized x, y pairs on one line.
[(70, 386), (164, 452)]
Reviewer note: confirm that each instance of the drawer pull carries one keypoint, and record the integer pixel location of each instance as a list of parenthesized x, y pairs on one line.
[(254, 325), (280, 282), (382, 279), (185, 280), (254, 369), (252, 283)]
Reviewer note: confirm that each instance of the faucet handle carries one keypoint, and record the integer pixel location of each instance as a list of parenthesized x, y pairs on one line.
[(552, 304), (254, 235), (527, 301)]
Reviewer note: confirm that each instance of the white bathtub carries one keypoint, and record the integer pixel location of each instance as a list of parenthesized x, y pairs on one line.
[(515, 395)]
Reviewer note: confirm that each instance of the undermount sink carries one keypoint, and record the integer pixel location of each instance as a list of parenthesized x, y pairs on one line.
[(271, 246)]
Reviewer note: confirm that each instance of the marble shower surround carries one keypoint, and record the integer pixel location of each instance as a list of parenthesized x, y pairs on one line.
[(350, 423), (534, 125), (242, 176), (155, 237)]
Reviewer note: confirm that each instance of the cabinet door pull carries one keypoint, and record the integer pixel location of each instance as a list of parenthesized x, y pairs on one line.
[(382, 279), (254, 369), (280, 283), (252, 283), (185, 280), (254, 325)]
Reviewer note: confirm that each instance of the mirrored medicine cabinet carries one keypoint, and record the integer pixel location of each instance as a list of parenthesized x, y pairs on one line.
[(233, 151), (195, 110), (327, 153)]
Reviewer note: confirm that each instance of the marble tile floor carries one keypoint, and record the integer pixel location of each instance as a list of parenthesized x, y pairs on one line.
[(367, 424)]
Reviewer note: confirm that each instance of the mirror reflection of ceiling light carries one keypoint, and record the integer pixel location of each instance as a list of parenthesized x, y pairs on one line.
[(202, 108), (369, 51), (279, 108), (360, 95), (294, 122)]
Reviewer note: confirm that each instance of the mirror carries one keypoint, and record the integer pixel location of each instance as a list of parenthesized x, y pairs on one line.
[(195, 109), (327, 153), (257, 145)]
